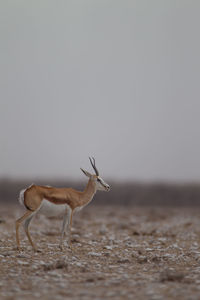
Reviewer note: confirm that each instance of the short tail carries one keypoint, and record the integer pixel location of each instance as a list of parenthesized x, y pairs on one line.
[(21, 197)]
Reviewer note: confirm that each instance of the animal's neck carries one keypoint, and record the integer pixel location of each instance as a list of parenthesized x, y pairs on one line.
[(88, 193)]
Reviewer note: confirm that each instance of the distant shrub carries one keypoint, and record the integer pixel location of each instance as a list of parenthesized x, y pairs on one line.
[(151, 194)]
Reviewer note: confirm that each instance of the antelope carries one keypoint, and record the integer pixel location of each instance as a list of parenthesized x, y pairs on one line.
[(53, 201)]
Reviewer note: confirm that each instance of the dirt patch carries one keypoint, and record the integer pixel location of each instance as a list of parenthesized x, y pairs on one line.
[(118, 252)]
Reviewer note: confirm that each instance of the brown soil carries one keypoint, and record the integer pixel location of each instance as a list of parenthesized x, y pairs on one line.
[(118, 253)]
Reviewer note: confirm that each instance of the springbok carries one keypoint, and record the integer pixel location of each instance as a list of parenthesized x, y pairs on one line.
[(54, 201)]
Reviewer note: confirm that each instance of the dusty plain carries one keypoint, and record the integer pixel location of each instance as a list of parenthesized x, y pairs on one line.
[(118, 253)]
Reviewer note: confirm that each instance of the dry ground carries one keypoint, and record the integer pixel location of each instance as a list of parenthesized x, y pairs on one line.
[(118, 253)]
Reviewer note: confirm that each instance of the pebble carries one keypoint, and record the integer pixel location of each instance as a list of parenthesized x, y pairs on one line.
[(103, 229), (24, 263), (94, 254), (142, 259), (108, 247), (22, 256)]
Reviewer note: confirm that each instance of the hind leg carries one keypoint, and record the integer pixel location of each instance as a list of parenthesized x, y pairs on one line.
[(18, 223), (26, 225)]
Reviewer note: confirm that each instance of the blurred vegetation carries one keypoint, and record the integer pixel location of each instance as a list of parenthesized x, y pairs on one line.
[(148, 194)]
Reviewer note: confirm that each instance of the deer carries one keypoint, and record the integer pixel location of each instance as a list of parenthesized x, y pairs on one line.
[(54, 201)]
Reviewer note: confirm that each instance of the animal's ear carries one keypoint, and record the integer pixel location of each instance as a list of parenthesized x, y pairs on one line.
[(86, 173)]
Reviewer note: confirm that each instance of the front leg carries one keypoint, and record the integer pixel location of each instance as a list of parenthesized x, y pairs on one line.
[(67, 219), (70, 225)]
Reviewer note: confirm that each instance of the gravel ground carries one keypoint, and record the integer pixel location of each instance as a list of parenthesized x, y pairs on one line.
[(118, 253)]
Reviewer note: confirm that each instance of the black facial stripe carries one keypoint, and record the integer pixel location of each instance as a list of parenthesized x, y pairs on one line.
[(99, 180)]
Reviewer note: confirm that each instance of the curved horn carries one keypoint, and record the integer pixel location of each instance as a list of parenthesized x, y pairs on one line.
[(94, 166)]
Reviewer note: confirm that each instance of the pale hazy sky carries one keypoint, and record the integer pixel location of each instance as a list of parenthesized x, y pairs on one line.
[(119, 80)]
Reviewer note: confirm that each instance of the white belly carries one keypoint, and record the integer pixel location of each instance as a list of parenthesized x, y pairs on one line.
[(50, 209)]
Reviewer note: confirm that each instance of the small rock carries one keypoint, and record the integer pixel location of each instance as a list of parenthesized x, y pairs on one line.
[(106, 253), (171, 276), (123, 261), (23, 263), (78, 264), (134, 254), (59, 264), (5, 254), (90, 279), (135, 232), (103, 229), (108, 247), (142, 259), (22, 256), (94, 254), (156, 259)]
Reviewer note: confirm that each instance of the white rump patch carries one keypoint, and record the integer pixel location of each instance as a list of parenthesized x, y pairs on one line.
[(21, 194), (21, 197)]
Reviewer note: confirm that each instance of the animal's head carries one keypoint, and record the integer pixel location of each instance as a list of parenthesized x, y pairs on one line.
[(101, 185)]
